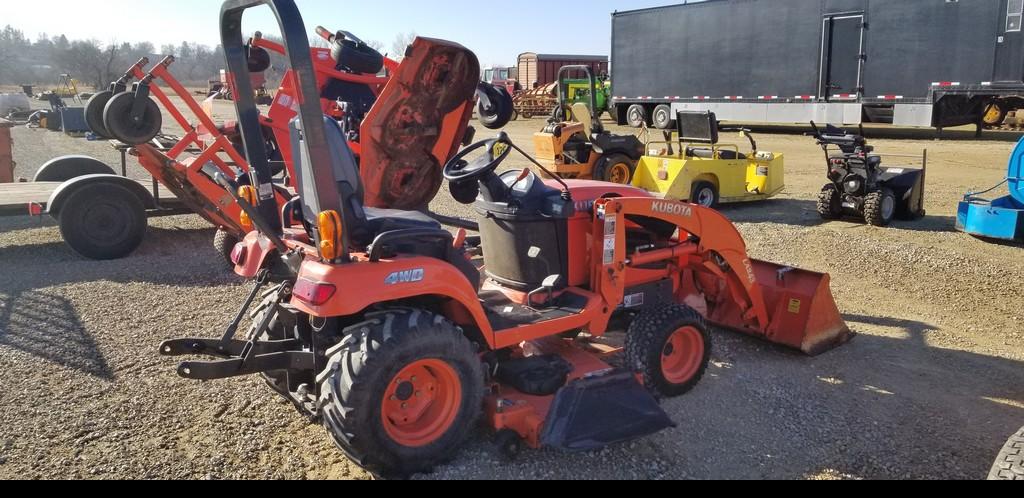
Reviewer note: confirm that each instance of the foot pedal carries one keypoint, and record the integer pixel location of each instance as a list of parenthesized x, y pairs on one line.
[(590, 414)]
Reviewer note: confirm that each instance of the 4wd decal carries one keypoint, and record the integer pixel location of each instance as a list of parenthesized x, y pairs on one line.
[(673, 208), (405, 277)]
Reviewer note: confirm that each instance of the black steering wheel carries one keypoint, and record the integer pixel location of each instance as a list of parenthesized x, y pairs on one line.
[(459, 170)]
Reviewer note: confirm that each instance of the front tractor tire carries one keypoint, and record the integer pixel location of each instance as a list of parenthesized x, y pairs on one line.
[(224, 243), (830, 203), (880, 208), (671, 348), (401, 392)]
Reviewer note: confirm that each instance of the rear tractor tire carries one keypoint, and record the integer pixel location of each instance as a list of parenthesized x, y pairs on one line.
[(103, 221), (830, 203), (880, 208), (671, 348), (401, 392)]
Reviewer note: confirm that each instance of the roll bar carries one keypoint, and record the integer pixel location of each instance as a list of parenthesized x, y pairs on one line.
[(296, 42), (596, 125)]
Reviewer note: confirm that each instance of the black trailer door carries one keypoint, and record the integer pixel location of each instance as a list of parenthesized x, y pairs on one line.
[(842, 56), (1009, 56)]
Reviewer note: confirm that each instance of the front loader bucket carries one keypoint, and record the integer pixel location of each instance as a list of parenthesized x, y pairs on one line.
[(802, 312)]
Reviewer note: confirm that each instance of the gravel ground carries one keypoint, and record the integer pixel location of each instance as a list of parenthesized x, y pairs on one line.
[(930, 388)]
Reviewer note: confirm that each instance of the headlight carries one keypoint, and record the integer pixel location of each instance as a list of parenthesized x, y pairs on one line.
[(853, 184)]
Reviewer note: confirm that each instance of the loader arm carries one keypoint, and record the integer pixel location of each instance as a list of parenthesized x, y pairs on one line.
[(708, 242), (782, 304)]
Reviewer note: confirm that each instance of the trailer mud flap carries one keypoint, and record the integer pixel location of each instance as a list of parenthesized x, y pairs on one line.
[(590, 414)]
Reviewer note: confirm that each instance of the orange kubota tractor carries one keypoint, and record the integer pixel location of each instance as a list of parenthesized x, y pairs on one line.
[(378, 324)]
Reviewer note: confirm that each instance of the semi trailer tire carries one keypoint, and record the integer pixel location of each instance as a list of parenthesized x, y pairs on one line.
[(662, 117), (636, 116), (386, 367), (103, 221)]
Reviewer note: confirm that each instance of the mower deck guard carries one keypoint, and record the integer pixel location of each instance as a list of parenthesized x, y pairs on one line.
[(417, 124), (592, 413), (802, 310)]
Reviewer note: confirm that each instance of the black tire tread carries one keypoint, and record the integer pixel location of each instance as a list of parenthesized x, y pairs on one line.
[(829, 203), (366, 355), (224, 243), (645, 343), (601, 170), (117, 121), (1010, 464), (62, 169), (873, 208), (695, 191)]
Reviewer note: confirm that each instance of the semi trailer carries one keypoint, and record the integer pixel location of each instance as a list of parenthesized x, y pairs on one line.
[(926, 63)]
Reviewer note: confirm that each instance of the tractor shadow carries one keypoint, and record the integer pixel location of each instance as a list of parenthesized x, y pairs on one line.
[(36, 318), (879, 407)]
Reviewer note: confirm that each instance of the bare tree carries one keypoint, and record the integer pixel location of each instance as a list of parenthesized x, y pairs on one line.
[(402, 42)]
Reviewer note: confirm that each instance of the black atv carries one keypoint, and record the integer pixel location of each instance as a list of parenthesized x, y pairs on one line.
[(861, 187)]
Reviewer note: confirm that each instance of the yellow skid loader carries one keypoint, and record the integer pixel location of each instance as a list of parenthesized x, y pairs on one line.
[(706, 172)]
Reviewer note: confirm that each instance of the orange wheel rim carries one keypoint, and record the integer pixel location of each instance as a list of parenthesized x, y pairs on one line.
[(620, 174), (682, 356), (992, 114), (421, 403)]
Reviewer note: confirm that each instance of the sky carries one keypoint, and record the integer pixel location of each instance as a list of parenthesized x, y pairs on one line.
[(497, 31)]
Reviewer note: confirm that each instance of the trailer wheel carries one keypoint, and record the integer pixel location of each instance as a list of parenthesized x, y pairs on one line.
[(670, 347), (704, 194), (880, 208), (636, 116), (224, 243), (830, 203), (94, 113), (66, 168), (662, 117), (995, 114), (401, 392), (103, 221), (615, 168), (1010, 464), (117, 117)]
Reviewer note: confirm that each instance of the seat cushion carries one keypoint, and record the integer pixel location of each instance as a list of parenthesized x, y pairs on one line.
[(705, 153), (386, 220)]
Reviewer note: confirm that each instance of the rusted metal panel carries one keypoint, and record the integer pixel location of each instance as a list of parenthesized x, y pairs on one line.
[(6, 152)]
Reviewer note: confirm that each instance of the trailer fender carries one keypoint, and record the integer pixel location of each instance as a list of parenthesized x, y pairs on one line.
[(62, 169), (68, 188)]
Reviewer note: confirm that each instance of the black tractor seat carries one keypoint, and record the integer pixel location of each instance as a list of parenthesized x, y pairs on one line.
[(706, 153), (382, 232)]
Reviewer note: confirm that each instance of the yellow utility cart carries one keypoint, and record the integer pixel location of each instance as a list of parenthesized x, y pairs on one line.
[(706, 172)]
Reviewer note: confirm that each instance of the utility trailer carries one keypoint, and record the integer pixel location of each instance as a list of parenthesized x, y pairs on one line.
[(538, 70), (925, 63)]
